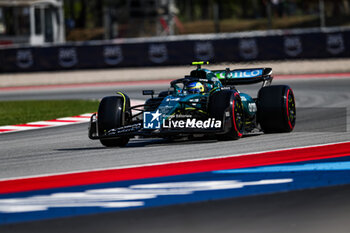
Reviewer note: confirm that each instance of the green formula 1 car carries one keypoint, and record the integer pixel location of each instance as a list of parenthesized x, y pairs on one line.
[(204, 103)]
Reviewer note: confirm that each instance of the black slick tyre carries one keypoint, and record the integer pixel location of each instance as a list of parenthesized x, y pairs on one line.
[(110, 116), (276, 109), (226, 106)]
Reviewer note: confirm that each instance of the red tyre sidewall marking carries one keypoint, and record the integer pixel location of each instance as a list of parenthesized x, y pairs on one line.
[(287, 107), (234, 119)]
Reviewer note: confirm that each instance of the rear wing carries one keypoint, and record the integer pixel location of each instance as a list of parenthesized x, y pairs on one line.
[(244, 76)]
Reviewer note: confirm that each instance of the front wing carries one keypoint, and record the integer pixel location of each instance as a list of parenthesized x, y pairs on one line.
[(171, 128)]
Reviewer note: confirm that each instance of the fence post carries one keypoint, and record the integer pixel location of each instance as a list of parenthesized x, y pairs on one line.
[(322, 14)]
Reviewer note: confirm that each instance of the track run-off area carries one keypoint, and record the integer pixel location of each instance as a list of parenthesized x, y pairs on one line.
[(58, 179)]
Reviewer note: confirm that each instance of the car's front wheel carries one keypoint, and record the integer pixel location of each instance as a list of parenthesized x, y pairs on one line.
[(111, 115)]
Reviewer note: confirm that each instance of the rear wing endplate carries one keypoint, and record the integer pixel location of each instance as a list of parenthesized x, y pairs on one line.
[(244, 76)]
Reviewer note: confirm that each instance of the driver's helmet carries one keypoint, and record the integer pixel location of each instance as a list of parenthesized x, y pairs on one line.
[(195, 87)]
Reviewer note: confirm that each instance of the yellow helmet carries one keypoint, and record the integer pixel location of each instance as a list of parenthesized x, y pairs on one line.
[(195, 87)]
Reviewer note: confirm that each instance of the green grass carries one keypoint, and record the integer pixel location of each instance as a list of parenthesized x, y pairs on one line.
[(19, 112)]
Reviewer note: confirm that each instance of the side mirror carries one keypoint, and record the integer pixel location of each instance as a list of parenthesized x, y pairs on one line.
[(148, 92)]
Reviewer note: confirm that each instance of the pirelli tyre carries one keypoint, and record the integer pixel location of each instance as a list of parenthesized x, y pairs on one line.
[(227, 106), (112, 114), (276, 109)]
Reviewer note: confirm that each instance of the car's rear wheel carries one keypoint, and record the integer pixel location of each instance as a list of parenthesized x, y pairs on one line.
[(276, 109), (111, 115), (227, 106)]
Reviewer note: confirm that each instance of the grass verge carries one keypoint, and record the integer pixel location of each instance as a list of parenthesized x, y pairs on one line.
[(20, 112)]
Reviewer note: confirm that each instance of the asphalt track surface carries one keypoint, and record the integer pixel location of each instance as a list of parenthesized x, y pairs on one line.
[(323, 117)]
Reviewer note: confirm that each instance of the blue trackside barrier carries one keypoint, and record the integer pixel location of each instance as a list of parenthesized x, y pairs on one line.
[(180, 50)]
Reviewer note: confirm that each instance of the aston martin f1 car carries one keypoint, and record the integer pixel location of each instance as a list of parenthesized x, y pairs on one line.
[(206, 102)]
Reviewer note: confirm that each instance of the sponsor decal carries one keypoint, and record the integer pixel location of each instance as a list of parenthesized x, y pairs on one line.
[(214, 79), (293, 46), (192, 123), (246, 73), (125, 129), (248, 48), (204, 50), (203, 80), (24, 59), (151, 120), (335, 44), (170, 98), (158, 53), (240, 74), (252, 107), (67, 57), (113, 55)]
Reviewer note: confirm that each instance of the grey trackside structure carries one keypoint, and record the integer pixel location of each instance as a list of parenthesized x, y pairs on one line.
[(314, 43), (33, 22)]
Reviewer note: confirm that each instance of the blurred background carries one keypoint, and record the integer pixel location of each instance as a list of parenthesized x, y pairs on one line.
[(87, 20), (37, 22), (272, 30)]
